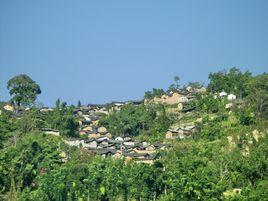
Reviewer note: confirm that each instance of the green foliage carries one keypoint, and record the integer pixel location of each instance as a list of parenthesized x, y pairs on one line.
[(62, 119), (233, 81), (79, 104), (258, 96), (58, 103), (23, 89), (30, 120), (136, 120), (207, 103), (246, 117), (7, 126), (154, 93), (189, 171), (212, 131), (21, 164), (195, 85), (174, 86), (223, 154)]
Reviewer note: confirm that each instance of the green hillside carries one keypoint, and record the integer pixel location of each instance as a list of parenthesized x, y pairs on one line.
[(191, 142)]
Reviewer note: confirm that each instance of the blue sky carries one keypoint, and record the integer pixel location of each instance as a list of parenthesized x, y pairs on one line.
[(100, 51)]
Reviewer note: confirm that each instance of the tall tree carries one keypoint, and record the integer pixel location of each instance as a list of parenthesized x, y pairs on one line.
[(176, 80), (174, 86), (79, 104), (23, 89), (58, 103)]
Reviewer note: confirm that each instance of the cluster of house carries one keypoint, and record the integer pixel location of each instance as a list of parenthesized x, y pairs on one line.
[(99, 141), (179, 97), (89, 121), (181, 132), (171, 98), (223, 94), (230, 97), (120, 147)]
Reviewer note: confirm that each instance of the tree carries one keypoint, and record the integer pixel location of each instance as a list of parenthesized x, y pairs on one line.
[(258, 94), (195, 85), (23, 89), (62, 119), (148, 95), (58, 103), (136, 120), (176, 80), (232, 81), (154, 93), (175, 86), (79, 104)]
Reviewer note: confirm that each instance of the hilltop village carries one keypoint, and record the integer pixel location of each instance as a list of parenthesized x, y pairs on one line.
[(98, 140)]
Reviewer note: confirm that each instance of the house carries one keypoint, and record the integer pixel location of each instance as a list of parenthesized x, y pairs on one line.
[(228, 106), (159, 146), (143, 151), (150, 148), (88, 128), (106, 152), (105, 146), (118, 104), (115, 142), (196, 90), (174, 98), (175, 134), (127, 138), (91, 143), (119, 139), (46, 109), (170, 134), (76, 143), (102, 111), (103, 139), (9, 108), (186, 131), (117, 155), (51, 131), (81, 132), (231, 97), (183, 99), (94, 135), (182, 132), (102, 130), (222, 94), (87, 119), (141, 157), (129, 143)]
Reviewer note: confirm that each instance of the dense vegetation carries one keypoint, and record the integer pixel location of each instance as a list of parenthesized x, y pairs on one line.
[(138, 120), (226, 159)]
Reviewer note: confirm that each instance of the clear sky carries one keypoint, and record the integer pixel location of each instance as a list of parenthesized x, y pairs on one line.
[(100, 51)]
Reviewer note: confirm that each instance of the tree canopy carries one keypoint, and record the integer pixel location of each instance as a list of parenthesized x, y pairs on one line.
[(23, 89), (231, 81)]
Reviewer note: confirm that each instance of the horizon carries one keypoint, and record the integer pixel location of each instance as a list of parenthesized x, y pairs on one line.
[(98, 53)]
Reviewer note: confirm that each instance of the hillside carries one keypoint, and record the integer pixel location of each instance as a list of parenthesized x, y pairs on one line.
[(190, 142)]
